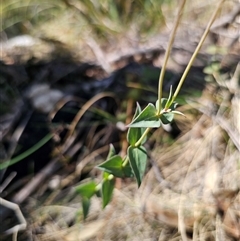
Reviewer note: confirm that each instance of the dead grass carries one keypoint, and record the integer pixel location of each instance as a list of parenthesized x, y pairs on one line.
[(190, 192)]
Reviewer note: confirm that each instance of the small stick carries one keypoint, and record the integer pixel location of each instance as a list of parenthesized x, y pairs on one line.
[(22, 222)]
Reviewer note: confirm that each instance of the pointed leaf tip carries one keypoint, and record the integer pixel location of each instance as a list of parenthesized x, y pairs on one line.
[(111, 152), (87, 189), (138, 162), (85, 206), (113, 166), (146, 118), (107, 189)]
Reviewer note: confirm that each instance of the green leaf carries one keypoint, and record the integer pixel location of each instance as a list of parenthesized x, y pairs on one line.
[(138, 161), (85, 206), (111, 152), (147, 118), (87, 189), (113, 166), (107, 188), (167, 117), (134, 134)]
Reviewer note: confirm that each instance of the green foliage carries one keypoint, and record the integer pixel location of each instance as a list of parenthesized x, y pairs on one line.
[(152, 116), (114, 166), (167, 118), (107, 188), (108, 16), (134, 134), (19, 12), (87, 189), (138, 160), (147, 118), (85, 206), (101, 17)]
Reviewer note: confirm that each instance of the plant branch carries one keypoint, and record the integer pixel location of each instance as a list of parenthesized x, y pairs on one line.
[(125, 162), (167, 54), (138, 143), (196, 51)]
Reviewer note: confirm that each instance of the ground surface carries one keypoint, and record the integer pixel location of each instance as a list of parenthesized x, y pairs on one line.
[(191, 188)]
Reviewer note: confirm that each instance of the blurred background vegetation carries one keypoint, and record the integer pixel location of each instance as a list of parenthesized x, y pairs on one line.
[(101, 18), (111, 25)]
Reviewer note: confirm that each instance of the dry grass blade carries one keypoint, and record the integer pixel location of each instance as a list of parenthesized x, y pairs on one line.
[(191, 189), (22, 221), (79, 115), (170, 43)]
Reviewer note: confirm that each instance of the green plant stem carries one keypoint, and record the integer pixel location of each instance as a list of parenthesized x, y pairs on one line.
[(167, 54), (25, 154), (126, 160), (196, 51), (98, 187), (138, 143)]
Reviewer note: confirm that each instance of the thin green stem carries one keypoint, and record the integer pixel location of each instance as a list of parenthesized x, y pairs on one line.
[(196, 51), (167, 54), (138, 143), (98, 187), (125, 162), (25, 154)]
